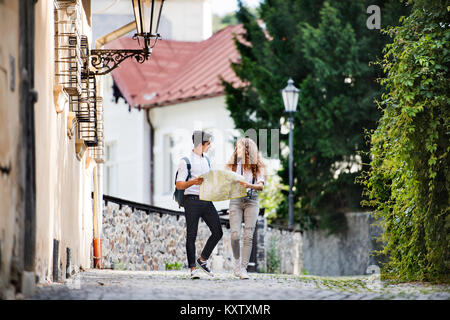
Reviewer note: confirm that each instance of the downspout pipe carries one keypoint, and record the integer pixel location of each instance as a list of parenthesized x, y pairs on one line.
[(100, 42), (152, 140), (98, 214), (98, 169)]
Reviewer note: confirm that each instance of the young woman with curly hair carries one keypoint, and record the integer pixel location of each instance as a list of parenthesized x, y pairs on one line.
[(247, 161)]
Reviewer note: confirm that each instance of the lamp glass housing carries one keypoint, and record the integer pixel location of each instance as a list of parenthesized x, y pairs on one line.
[(147, 14), (290, 97)]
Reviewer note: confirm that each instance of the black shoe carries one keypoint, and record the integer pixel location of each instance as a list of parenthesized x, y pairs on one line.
[(204, 266)]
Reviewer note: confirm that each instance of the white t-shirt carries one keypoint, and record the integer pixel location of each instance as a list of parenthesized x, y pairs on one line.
[(248, 175), (199, 166)]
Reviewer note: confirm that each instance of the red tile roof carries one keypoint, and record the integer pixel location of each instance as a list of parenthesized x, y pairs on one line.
[(178, 71)]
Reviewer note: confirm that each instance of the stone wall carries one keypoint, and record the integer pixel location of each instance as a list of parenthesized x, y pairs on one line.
[(135, 240), (287, 249), (343, 254)]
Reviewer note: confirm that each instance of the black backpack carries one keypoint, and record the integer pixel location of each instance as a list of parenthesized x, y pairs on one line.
[(178, 195)]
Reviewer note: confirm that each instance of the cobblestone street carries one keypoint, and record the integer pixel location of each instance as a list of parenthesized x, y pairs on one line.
[(175, 285)]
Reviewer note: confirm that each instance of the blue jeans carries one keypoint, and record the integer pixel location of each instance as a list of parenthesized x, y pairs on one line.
[(194, 209)]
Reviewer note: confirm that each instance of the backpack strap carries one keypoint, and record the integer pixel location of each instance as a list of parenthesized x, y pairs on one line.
[(188, 164), (209, 162)]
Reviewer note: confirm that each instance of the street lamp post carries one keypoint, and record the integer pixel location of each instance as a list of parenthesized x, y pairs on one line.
[(290, 99)]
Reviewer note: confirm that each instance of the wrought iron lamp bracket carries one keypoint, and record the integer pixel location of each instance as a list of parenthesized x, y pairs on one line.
[(104, 61)]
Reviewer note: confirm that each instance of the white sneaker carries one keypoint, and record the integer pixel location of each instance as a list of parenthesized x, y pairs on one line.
[(244, 274), (237, 267), (195, 274)]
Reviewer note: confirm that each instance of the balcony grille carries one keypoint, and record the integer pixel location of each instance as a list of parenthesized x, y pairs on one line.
[(88, 129), (72, 54), (98, 151), (84, 50), (81, 105), (68, 61)]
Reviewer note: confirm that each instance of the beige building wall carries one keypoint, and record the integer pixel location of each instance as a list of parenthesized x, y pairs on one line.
[(11, 209), (63, 183)]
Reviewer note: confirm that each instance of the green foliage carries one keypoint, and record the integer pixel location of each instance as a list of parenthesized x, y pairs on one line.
[(222, 22), (408, 180), (271, 197), (173, 266), (318, 44), (120, 266), (273, 257)]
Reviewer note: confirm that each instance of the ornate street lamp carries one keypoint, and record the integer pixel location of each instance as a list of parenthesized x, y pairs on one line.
[(147, 14), (290, 99)]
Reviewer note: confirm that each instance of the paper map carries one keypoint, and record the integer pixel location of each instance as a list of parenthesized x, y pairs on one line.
[(220, 185)]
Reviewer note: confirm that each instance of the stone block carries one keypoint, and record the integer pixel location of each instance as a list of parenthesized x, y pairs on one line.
[(28, 283)]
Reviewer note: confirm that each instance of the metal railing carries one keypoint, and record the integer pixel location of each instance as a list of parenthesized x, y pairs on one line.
[(154, 209)]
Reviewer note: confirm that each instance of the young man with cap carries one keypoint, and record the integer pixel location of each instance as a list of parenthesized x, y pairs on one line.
[(195, 208)]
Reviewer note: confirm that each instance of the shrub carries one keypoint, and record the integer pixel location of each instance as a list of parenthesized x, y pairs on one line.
[(408, 181), (173, 266), (273, 257)]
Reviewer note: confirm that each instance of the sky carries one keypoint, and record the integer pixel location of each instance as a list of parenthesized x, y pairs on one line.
[(222, 7)]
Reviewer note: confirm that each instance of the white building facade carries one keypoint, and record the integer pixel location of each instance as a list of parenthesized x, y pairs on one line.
[(173, 126), (128, 143)]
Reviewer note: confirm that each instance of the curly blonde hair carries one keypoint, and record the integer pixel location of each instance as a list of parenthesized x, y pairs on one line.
[(252, 161)]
